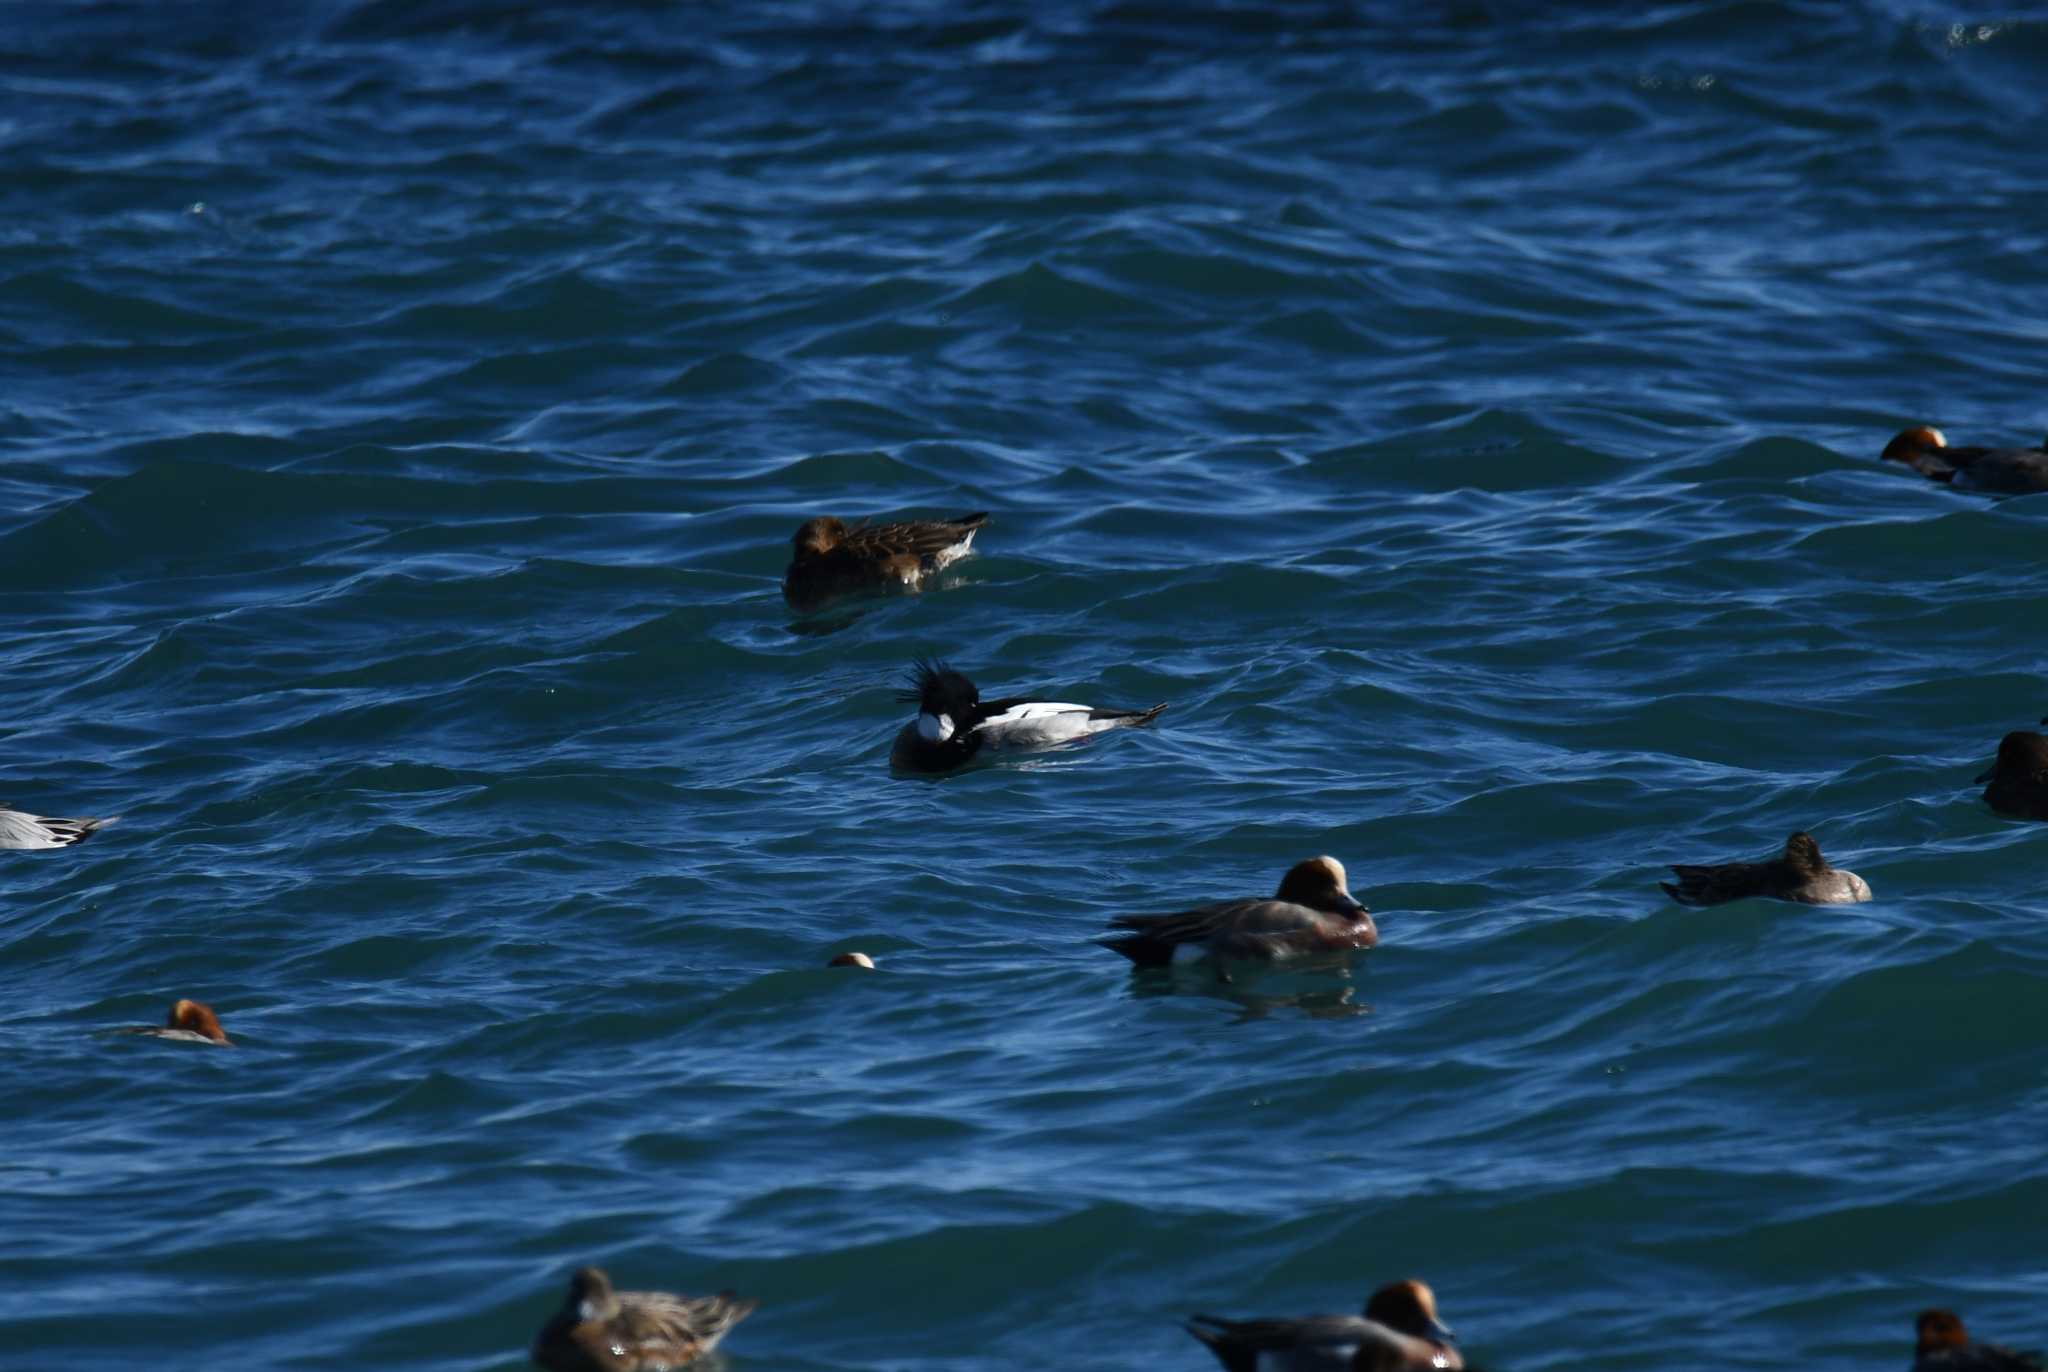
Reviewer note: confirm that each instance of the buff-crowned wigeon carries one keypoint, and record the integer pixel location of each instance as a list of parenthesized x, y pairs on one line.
[(2002, 471), (1800, 873), (1313, 912), (602, 1330), (1399, 1332), (954, 725), (1944, 1346), (830, 559), (2019, 777), (188, 1022), (20, 829)]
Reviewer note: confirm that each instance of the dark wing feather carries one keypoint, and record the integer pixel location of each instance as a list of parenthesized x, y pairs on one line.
[(1130, 719), (1237, 1344), (2012, 471), (1149, 940), (1717, 885)]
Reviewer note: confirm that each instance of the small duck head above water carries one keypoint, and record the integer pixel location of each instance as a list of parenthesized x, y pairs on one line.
[(818, 536), (2018, 778), (1920, 448), (1320, 884), (590, 1295), (1943, 1345), (946, 700), (1409, 1307)]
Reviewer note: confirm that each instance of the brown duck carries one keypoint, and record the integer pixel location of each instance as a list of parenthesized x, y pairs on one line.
[(832, 559), (602, 1330), (1399, 1332), (1800, 874), (1313, 912)]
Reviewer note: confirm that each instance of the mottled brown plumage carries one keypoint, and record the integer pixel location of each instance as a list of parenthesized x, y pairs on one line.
[(1799, 874), (602, 1330), (830, 559)]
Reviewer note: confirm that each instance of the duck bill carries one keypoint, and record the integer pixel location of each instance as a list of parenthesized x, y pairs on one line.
[(1441, 1332)]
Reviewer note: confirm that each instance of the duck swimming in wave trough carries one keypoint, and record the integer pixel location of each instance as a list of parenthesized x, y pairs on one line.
[(954, 725), (1313, 912), (831, 559), (2001, 471), (1800, 874), (1944, 1346), (2019, 777), (1399, 1332), (188, 1022), (20, 829), (602, 1330)]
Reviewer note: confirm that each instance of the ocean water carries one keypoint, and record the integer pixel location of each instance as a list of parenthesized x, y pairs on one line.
[(1467, 418)]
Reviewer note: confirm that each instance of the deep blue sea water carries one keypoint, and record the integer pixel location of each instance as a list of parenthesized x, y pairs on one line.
[(1466, 415)]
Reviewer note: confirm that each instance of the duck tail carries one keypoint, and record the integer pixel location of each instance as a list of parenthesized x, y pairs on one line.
[(1142, 949), (1216, 1335), (1693, 887), (1129, 719), (67, 832)]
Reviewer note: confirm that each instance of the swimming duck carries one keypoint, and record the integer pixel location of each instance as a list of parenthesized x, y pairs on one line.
[(830, 559), (1801, 874), (602, 1330), (20, 829), (2003, 471), (1399, 1332), (2019, 778), (1945, 1347), (954, 724), (1313, 912), (860, 960), (188, 1022)]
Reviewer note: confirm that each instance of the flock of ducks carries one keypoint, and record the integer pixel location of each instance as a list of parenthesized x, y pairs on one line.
[(599, 1329)]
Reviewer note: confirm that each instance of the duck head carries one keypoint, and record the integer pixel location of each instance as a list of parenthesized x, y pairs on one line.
[(945, 699), (590, 1295), (2020, 753), (818, 536), (1804, 853), (195, 1018), (1319, 884), (1939, 1329), (1409, 1307), (1920, 448)]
